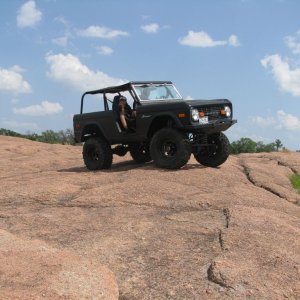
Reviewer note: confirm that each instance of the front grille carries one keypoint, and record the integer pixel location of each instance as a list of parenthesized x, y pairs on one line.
[(212, 111)]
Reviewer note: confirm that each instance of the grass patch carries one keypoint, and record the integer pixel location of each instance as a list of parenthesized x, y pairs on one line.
[(295, 180)]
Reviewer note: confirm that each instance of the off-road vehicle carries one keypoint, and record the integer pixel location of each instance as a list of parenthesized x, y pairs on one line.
[(168, 129)]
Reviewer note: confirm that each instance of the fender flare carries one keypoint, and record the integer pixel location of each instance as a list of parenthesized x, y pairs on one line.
[(159, 118), (95, 127)]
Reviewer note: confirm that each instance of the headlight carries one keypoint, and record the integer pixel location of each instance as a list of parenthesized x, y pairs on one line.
[(227, 110), (195, 115)]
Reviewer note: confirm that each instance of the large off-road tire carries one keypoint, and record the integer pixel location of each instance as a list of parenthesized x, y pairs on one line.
[(140, 152), (97, 154), (170, 149), (219, 155)]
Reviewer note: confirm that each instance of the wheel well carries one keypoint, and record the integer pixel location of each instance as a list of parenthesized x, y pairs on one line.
[(91, 130), (159, 123)]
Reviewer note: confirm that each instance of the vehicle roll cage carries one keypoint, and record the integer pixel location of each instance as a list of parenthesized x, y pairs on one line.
[(117, 90)]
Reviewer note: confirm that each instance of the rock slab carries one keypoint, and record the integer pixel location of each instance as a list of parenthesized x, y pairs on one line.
[(231, 232)]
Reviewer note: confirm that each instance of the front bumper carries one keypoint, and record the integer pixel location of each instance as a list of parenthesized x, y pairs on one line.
[(211, 127)]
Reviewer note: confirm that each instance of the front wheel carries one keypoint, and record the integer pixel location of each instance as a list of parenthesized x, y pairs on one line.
[(215, 155), (170, 149), (97, 154)]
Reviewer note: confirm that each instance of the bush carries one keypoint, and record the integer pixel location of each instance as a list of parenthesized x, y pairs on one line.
[(243, 145), (261, 147), (65, 137), (295, 180), (9, 132), (246, 145)]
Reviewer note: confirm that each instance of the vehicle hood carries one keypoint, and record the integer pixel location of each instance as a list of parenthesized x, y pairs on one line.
[(166, 105), (199, 102)]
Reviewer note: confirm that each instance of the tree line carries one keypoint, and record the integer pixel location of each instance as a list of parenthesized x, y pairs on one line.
[(65, 137), (246, 145)]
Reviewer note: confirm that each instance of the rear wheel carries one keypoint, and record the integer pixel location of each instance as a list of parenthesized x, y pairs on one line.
[(140, 152), (170, 149), (97, 154), (215, 155)]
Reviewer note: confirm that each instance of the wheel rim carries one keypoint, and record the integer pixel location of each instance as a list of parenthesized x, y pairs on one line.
[(168, 149), (94, 154), (215, 151), (143, 149)]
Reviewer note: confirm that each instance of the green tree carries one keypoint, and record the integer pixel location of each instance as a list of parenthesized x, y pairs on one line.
[(49, 136), (32, 136), (243, 145), (261, 147), (66, 137), (9, 132), (278, 144)]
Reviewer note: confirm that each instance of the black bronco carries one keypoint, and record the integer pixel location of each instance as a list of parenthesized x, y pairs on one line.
[(167, 128)]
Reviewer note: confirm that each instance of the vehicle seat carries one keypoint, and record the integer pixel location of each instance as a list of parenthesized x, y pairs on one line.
[(115, 109), (115, 104)]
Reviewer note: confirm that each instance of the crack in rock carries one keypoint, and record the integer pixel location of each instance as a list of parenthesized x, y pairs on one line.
[(221, 240), (4, 217), (251, 180), (280, 163), (214, 275), (57, 205), (67, 203), (227, 215)]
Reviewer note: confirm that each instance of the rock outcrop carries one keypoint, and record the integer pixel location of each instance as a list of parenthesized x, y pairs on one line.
[(195, 233)]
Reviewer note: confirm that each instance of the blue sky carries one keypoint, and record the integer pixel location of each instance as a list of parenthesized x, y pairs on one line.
[(245, 50)]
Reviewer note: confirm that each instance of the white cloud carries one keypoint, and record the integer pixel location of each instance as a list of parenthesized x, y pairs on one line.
[(150, 28), (14, 101), (19, 126), (293, 42), (43, 109), (11, 80), (282, 120), (189, 98), (101, 32), (65, 39), (203, 40), (104, 50), (264, 122), (288, 121), (287, 79), (28, 15), (17, 69), (236, 132), (234, 41), (61, 41), (69, 70), (62, 20), (199, 39)]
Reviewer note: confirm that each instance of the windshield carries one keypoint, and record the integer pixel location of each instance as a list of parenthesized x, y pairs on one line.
[(157, 92)]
